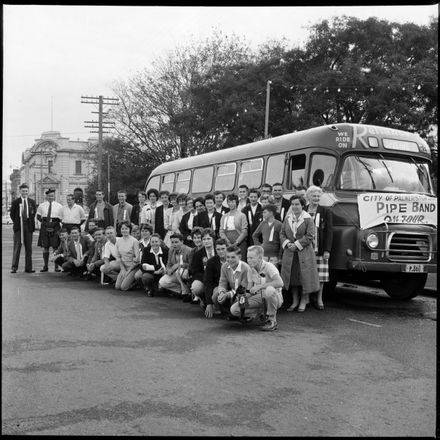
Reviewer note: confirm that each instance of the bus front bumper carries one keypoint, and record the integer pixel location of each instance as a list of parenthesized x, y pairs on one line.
[(369, 266)]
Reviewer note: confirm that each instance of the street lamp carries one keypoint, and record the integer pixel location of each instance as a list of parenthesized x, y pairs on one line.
[(266, 121)]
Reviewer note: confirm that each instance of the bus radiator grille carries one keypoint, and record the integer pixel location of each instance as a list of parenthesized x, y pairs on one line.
[(409, 247)]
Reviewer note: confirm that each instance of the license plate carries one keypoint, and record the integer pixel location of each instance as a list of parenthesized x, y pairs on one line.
[(414, 268)]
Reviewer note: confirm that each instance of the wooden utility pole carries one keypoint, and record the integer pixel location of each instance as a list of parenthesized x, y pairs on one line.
[(101, 124)]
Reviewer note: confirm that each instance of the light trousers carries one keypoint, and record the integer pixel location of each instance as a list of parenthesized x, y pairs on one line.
[(272, 297)]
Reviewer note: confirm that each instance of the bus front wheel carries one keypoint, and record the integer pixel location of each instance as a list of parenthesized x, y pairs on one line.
[(404, 285)]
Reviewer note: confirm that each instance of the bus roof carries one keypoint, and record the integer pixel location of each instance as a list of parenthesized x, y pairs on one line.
[(325, 136)]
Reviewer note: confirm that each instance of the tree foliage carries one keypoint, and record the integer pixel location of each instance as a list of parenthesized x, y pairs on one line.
[(125, 172), (211, 94)]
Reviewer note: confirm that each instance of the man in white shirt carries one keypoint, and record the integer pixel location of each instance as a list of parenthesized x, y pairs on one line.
[(243, 193), (264, 286), (110, 267), (72, 214), (233, 273)]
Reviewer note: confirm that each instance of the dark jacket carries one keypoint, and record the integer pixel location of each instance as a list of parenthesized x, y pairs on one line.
[(149, 258), (202, 220), (211, 277), (71, 255), (135, 213), (108, 214), (158, 223), (184, 229), (225, 209), (15, 214), (253, 220), (282, 214), (98, 254), (325, 229), (198, 265)]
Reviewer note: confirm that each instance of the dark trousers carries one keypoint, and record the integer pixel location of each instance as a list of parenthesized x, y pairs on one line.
[(27, 241), (69, 266), (59, 261)]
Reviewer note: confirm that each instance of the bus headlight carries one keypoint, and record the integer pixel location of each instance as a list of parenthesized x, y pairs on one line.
[(372, 241)]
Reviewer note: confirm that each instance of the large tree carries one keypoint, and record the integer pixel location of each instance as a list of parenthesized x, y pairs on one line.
[(157, 110)]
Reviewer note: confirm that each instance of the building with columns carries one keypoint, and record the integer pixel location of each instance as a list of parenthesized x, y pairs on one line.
[(57, 162)]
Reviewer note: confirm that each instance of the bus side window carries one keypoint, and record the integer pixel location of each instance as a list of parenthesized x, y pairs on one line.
[(322, 169), (297, 167), (275, 169), (251, 173), (202, 180), (225, 179), (182, 182), (167, 182), (153, 183)]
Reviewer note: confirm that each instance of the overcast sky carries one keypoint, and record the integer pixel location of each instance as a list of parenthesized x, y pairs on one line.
[(58, 53)]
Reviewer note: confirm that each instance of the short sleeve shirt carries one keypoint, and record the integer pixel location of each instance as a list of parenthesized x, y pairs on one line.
[(267, 273)]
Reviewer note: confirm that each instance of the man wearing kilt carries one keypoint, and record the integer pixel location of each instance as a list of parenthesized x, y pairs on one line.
[(49, 214), (323, 220)]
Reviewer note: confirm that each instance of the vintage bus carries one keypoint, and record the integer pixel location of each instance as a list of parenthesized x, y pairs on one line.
[(376, 181)]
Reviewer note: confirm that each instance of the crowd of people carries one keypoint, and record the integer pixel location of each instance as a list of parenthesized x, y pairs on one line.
[(242, 261)]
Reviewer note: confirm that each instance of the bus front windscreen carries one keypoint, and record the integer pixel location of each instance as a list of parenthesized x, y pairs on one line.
[(380, 173)]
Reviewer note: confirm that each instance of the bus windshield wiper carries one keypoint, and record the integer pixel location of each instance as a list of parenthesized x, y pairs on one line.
[(385, 165), (368, 170)]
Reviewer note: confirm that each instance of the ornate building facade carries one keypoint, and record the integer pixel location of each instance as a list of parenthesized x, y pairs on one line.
[(57, 162)]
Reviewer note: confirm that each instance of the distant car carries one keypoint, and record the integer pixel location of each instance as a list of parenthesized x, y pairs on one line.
[(6, 220)]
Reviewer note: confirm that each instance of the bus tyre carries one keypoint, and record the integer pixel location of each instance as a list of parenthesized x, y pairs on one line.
[(404, 285)]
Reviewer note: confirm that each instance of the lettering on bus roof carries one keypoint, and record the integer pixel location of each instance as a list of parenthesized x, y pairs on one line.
[(362, 132)]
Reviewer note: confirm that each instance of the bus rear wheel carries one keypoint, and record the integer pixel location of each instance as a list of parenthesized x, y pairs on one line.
[(404, 285)]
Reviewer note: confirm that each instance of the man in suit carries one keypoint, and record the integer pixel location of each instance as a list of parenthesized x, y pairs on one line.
[(159, 225), (59, 256), (280, 202), (198, 262), (96, 260), (121, 211), (209, 218), (211, 278), (253, 213), (22, 213), (77, 254), (100, 211)]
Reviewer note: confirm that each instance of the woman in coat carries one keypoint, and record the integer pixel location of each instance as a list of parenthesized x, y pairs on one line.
[(323, 220), (298, 265)]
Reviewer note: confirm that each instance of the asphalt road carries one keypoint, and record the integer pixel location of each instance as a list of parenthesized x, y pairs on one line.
[(81, 359)]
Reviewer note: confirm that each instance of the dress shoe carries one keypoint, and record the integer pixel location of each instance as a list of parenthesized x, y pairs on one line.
[(45, 269), (57, 270), (14, 271), (30, 271)]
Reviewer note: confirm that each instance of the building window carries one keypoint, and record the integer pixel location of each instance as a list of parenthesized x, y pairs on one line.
[(78, 167), (49, 166)]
